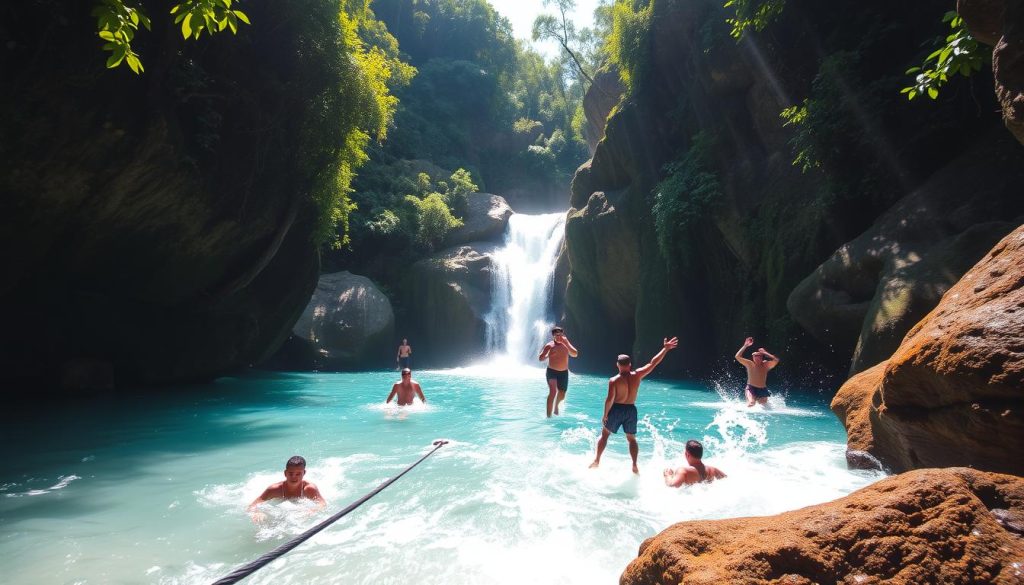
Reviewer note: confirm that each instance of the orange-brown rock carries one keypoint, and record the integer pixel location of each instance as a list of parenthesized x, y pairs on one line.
[(1000, 23), (952, 392), (950, 526)]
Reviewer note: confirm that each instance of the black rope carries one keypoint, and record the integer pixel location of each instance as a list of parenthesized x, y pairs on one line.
[(250, 568)]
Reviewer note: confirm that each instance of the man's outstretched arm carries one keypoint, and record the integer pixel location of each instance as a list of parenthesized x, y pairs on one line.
[(667, 345), (674, 478), (394, 390), (739, 354), (419, 392)]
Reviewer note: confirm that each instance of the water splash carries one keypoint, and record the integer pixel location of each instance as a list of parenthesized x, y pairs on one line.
[(521, 280)]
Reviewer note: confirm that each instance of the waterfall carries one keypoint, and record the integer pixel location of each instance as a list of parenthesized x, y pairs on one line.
[(523, 271)]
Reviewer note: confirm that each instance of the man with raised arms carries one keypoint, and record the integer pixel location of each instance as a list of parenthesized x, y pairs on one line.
[(620, 405), (557, 352), (406, 389), (293, 487), (694, 471), (757, 372)]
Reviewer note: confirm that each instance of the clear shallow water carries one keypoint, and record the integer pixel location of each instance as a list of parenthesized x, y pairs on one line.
[(153, 489)]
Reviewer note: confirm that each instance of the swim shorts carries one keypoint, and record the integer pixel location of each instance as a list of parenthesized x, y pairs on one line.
[(561, 378), (758, 392), (622, 415), (403, 362)]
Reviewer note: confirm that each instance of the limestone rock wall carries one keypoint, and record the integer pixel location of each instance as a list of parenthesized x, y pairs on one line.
[(953, 392)]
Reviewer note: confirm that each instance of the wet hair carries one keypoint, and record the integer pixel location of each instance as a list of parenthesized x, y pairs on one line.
[(406, 371), (557, 329), (694, 448), (296, 461), (624, 360)]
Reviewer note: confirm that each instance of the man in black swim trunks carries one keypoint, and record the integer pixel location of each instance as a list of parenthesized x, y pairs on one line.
[(620, 406), (557, 352), (757, 372)]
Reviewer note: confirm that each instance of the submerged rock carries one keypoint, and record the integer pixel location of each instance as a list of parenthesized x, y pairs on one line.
[(348, 323), (953, 391), (927, 526)]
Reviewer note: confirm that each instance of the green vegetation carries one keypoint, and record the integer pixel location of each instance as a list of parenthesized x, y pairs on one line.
[(482, 112), (752, 15), (117, 23), (689, 193), (959, 53), (628, 43)]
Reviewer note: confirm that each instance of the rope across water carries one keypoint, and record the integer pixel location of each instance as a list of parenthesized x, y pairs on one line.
[(248, 569)]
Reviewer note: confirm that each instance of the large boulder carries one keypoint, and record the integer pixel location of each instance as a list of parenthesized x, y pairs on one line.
[(930, 526), (348, 323), (1000, 23), (448, 296), (953, 391), (873, 289), (484, 221), (601, 98)]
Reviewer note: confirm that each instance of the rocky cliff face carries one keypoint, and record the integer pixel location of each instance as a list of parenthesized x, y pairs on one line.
[(692, 219), (952, 393), (930, 526), (155, 228), (1000, 24)]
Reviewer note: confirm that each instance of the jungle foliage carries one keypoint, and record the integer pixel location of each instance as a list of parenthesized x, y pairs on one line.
[(482, 110)]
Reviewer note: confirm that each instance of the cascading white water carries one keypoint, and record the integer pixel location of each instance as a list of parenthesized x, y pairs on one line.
[(518, 322)]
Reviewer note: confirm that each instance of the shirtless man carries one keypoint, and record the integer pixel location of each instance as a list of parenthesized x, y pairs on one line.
[(557, 352), (694, 471), (757, 373), (406, 389), (293, 487), (404, 352), (620, 407)]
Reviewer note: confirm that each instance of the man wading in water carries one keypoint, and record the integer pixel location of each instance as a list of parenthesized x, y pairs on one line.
[(406, 389), (293, 487), (757, 373), (557, 352), (694, 471), (620, 407)]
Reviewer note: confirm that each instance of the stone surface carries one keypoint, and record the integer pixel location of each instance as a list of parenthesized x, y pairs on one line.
[(873, 289), (1000, 24), (953, 392), (928, 526), (448, 296), (601, 97), (485, 220), (348, 323)]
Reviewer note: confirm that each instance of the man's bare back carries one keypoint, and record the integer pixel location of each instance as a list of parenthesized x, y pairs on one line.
[(625, 387)]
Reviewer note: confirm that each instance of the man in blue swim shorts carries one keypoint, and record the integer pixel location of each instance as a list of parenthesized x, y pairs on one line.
[(620, 405)]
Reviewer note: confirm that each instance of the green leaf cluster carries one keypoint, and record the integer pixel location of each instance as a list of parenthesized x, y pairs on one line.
[(959, 53), (433, 219), (752, 15), (117, 23), (629, 43), (689, 194)]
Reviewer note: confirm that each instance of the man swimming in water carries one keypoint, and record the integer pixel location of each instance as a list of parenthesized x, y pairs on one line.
[(406, 389), (293, 487), (694, 471), (620, 407), (757, 372), (557, 352)]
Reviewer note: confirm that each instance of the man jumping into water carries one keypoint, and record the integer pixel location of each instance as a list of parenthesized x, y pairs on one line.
[(406, 389), (292, 488), (557, 352), (620, 407), (694, 471), (757, 373)]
